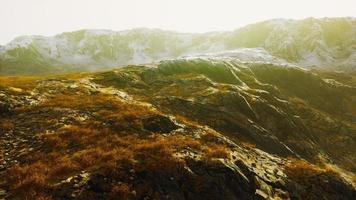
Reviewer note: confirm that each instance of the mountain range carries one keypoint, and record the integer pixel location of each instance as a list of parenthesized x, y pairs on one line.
[(326, 43)]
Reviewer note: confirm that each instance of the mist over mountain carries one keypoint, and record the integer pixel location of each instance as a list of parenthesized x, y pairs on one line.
[(324, 43)]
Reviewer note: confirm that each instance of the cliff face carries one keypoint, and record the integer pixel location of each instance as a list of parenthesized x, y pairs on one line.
[(194, 128)]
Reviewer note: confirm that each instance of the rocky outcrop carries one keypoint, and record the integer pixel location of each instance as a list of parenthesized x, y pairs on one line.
[(159, 124)]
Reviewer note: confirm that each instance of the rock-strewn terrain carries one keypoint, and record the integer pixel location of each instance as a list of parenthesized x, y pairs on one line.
[(179, 129)]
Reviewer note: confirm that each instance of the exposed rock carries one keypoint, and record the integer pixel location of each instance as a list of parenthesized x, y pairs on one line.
[(160, 124)]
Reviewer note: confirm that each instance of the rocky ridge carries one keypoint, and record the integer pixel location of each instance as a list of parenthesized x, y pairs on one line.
[(194, 128)]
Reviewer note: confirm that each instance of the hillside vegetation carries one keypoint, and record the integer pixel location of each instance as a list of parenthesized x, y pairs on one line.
[(195, 128)]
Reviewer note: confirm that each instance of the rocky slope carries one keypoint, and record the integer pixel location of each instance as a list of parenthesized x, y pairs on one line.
[(193, 128), (327, 43)]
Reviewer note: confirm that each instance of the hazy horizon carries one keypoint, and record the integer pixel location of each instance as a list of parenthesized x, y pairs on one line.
[(50, 17)]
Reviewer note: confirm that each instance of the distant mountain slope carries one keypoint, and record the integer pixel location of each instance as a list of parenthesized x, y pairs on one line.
[(89, 49), (310, 42), (321, 42)]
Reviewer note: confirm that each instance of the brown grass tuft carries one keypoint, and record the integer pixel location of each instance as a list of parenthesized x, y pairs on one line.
[(300, 169), (7, 125), (28, 182), (216, 151), (63, 169), (24, 82), (120, 191)]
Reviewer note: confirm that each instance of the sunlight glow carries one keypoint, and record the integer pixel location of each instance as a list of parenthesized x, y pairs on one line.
[(49, 17)]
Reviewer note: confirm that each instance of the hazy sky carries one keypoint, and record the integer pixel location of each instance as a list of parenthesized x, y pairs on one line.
[(49, 17)]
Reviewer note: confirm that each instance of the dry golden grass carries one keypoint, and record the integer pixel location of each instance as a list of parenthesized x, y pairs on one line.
[(110, 151), (7, 125), (79, 101), (29, 182), (106, 106), (157, 157), (72, 136), (29, 82), (24, 82), (300, 168), (313, 182), (249, 145), (120, 191), (74, 76), (63, 168), (86, 146), (112, 140), (216, 151)]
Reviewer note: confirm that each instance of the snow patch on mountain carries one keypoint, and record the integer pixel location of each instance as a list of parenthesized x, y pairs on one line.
[(20, 42), (309, 42), (246, 55)]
